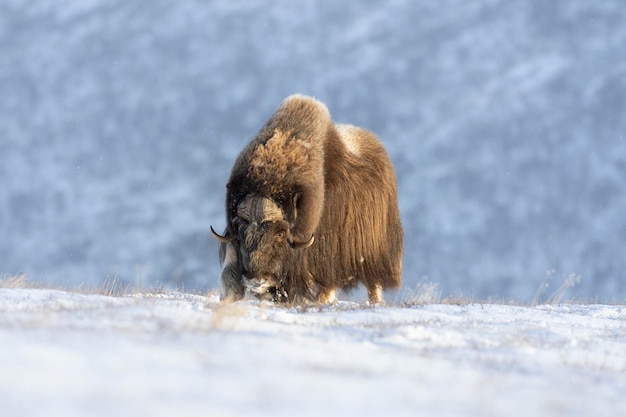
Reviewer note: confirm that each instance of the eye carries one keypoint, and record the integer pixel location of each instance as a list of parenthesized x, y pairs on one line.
[(280, 235), (240, 223)]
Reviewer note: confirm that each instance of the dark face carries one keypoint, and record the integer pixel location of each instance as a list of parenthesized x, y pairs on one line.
[(264, 253)]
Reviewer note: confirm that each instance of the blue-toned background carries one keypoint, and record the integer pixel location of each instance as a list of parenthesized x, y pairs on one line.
[(505, 119)]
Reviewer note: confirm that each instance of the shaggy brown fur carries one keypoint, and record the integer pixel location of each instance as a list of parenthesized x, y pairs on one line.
[(333, 182)]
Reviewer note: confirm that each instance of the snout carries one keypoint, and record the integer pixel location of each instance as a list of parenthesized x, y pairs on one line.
[(262, 286)]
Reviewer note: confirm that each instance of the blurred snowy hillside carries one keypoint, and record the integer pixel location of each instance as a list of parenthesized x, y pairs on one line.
[(119, 122)]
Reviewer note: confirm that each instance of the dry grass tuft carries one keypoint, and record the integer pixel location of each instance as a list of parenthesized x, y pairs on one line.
[(115, 287), (569, 281), (112, 286), (14, 281), (425, 292)]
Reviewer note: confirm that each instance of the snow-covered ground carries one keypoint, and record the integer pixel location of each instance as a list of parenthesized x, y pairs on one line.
[(175, 354)]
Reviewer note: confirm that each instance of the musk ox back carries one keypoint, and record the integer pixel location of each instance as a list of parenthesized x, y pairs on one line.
[(311, 207)]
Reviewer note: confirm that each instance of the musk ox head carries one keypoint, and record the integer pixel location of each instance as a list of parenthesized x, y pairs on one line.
[(265, 247)]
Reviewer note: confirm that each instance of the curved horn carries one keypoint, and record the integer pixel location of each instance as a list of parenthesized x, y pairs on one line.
[(302, 245), (223, 239)]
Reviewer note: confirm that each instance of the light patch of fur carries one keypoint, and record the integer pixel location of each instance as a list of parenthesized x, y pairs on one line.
[(349, 135), (258, 285), (229, 281), (231, 255), (260, 288), (281, 157)]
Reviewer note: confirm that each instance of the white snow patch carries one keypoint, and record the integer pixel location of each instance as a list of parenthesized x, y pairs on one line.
[(72, 354)]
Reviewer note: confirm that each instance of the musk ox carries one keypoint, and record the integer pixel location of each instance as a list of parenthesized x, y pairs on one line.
[(311, 207)]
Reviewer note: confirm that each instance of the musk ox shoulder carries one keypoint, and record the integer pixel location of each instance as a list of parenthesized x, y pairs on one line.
[(311, 207)]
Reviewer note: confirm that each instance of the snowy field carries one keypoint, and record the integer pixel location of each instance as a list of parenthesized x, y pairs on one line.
[(175, 354)]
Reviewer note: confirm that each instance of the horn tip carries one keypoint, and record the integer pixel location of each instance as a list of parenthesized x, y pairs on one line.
[(223, 239)]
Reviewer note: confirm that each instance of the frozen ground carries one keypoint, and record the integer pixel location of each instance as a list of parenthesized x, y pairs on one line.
[(68, 354)]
